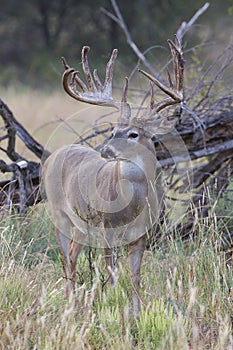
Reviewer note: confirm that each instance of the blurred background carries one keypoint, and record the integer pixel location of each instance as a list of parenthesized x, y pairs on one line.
[(35, 34)]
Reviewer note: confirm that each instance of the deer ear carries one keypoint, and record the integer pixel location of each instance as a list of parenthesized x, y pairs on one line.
[(168, 122), (161, 126)]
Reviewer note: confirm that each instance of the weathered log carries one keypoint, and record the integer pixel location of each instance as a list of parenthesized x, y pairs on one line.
[(22, 189), (13, 128)]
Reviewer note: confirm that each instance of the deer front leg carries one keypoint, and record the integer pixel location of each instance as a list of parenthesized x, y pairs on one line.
[(135, 253), (69, 249)]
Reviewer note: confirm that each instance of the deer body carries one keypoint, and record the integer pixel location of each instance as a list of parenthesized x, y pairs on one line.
[(120, 182), (115, 186), (112, 197)]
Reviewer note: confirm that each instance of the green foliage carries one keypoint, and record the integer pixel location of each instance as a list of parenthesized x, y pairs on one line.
[(154, 323), (230, 10)]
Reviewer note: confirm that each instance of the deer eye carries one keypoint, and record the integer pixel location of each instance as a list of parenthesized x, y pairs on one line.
[(133, 135)]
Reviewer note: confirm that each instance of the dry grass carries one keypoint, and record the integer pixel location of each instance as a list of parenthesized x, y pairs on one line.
[(186, 294)]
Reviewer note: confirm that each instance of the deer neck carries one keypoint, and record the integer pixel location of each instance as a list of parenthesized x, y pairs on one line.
[(135, 169)]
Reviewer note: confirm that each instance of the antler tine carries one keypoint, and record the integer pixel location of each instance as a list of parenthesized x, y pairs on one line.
[(86, 69), (152, 95), (65, 64), (69, 78), (76, 80), (97, 79), (162, 87), (93, 92), (125, 107), (178, 62), (109, 70), (175, 93), (125, 90)]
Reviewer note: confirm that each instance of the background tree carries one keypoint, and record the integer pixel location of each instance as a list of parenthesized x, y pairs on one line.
[(35, 34)]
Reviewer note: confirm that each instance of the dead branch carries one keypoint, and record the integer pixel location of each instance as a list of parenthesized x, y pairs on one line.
[(118, 18), (186, 26), (13, 128), (182, 30), (22, 189)]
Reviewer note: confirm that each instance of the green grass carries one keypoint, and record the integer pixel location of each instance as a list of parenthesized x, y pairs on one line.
[(186, 294)]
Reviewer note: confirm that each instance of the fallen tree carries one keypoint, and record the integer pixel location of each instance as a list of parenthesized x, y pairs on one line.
[(22, 189)]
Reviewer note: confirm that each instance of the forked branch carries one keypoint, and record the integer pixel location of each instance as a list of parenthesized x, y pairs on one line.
[(185, 26), (117, 17)]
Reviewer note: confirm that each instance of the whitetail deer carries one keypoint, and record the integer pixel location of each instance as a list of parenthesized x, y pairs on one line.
[(112, 197)]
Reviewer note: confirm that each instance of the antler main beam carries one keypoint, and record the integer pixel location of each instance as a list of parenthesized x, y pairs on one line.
[(174, 91), (93, 91)]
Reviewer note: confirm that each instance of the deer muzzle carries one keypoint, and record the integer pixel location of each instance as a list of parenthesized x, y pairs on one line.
[(108, 152)]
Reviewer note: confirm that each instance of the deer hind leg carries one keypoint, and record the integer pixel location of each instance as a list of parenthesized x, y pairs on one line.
[(135, 254), (64, 243), (110, 265), (74, 250)]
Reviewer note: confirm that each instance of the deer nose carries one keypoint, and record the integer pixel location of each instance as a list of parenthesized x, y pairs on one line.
[(108, 152)]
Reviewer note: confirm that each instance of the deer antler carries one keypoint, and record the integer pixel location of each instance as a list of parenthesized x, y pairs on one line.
[(94, 92), (174, 91)]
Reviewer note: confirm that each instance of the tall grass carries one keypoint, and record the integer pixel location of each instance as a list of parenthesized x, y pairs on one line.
[(186, 294)]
